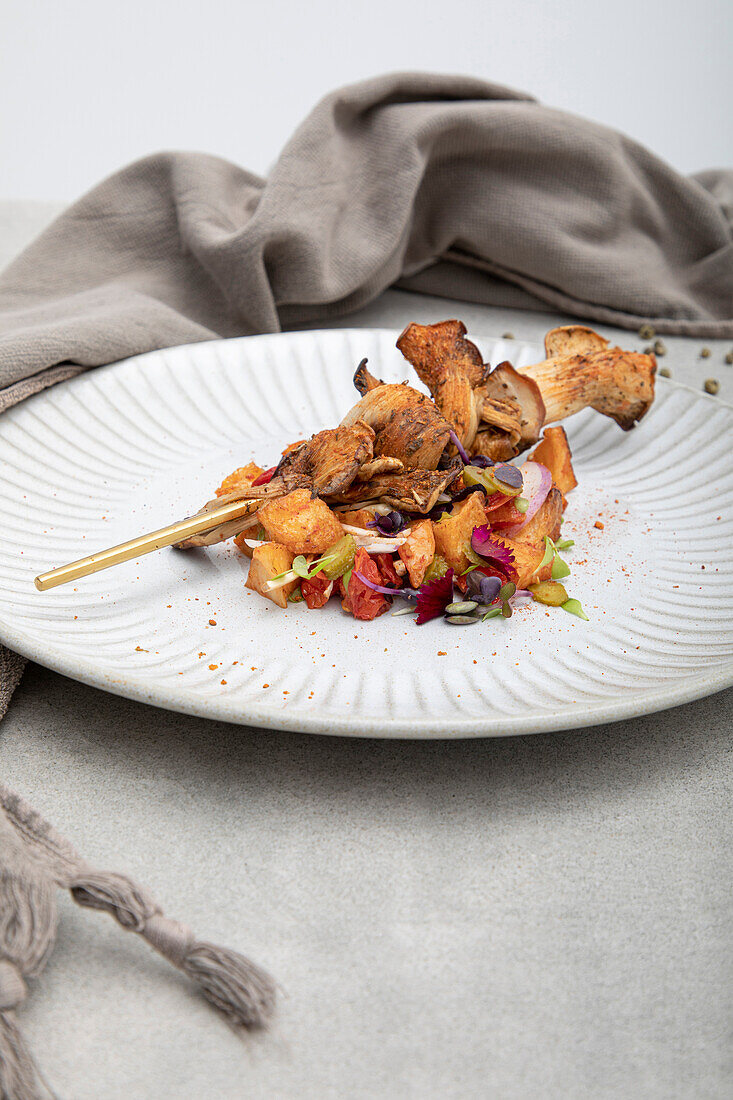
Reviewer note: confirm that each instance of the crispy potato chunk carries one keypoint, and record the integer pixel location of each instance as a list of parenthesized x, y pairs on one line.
[(554, 453), (546, 521), (267, 562), (359, 518), (527, 556), (302, 523), (240, 479), (294, 446), (453, 532), (251, 533), (419, 550)]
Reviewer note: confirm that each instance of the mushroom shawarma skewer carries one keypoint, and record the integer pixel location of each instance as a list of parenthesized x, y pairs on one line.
[(496, 414), (397, 446)]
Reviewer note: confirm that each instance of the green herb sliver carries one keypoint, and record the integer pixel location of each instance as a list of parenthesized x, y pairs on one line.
[(548, 555), (560, 568), (574, 607)]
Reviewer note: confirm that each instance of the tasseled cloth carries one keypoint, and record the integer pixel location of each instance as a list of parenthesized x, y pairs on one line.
[(34, 861)]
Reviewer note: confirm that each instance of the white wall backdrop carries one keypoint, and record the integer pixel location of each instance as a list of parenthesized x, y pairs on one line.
[(88, 85)]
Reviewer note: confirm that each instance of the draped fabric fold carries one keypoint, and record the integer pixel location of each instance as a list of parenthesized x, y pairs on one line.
[(406, 178)]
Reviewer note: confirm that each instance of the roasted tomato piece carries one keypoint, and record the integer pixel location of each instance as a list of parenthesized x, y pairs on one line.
[(387, 570), (316, 590), (506, 516), (360, 600), (265, 477)]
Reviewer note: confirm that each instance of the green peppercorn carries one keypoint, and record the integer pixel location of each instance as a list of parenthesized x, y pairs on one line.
[(705, 353), (649, 350), (647, 332), (660, 348), (729, 357), (711, 385), (664, 373), (507, 336)]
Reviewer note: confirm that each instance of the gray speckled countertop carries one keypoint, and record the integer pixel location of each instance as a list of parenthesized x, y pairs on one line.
[(536, 917)]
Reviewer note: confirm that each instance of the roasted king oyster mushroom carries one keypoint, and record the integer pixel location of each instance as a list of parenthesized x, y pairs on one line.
[(500, 413), (582, 370), (331, 459), (415, 490), (407, 424), (394, 446)]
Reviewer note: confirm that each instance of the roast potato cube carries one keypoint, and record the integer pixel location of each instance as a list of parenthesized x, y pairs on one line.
[(302, 523), (360, 517), (267, 562), (240, 479), (527, 556), (546, 521), (554, 453), (419, 550), (453, 531)]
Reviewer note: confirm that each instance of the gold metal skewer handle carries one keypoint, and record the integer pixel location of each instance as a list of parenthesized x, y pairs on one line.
[(145, 544)]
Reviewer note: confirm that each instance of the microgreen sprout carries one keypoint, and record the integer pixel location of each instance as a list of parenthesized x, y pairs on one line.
[(560, 568), (505, 594), (302, 569)]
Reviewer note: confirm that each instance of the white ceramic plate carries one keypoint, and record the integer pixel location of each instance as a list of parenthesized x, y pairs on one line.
[(130, 447)]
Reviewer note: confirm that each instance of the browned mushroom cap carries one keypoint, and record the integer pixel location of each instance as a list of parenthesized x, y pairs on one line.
[(407, 424), (437, 351), (330, 459), (573, 340), (379, 466), (412, 491), (506, 384), (451, 367), (494, 444), (364, 380), (617, 383)]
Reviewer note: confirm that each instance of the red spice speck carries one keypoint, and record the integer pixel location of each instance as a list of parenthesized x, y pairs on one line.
[(212, 622), (223, 681), (265, 685), (442, 653), (213, 667), (599, 525)]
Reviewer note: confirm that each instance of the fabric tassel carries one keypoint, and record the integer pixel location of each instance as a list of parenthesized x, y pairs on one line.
[(27, 930), (238, 988), (34, 861)]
